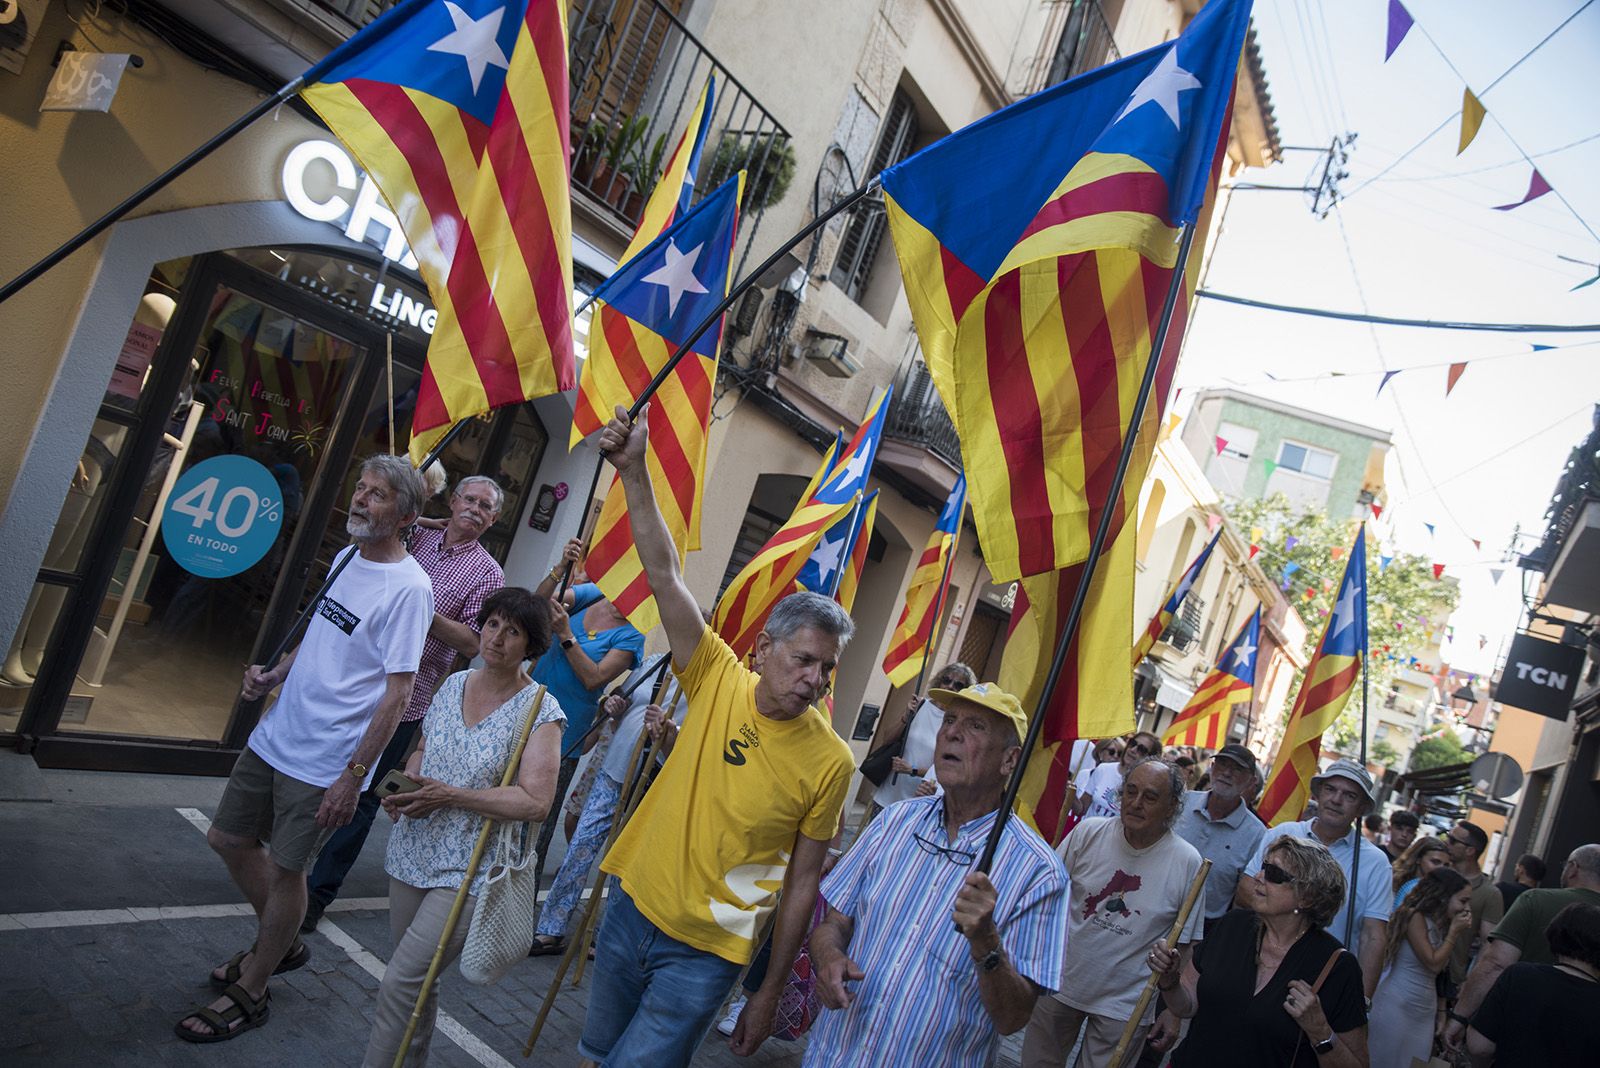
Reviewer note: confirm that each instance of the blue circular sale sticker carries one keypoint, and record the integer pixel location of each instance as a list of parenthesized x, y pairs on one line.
[(222, 516)]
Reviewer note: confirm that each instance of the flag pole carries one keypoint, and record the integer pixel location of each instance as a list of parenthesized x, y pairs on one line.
[(150, 189), (734, 293), (846, 552), (1102, 529), (1355, 855)]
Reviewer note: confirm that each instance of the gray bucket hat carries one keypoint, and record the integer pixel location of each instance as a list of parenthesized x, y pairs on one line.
[(1348, 769)]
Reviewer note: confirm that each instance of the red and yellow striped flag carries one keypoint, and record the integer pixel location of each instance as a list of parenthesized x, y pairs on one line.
[(925, 595), (461, 121), (1232, 682), (1330, 679), (624, 355), (850, 581)]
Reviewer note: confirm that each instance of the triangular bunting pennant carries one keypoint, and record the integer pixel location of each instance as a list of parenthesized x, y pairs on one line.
[(1386, 376), (1257, 533), (1222, 443), (1384, 562), (1289, 543), (1212, 522), (1476, 544), (1337, 552), (1430, 529), (1453, 376), (1272, 465), (1543, 348), (1253, 550), (1471, 118), (1438, 570), (1537, 187), (1400, 21), (1496, 574), (1377, 510)]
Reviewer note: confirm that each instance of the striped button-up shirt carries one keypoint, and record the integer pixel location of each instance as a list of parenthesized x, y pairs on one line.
[(919, 1003), (463, 576)]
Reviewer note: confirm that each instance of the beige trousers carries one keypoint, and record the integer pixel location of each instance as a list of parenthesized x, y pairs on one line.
[(1054, 1028), (416, 920)]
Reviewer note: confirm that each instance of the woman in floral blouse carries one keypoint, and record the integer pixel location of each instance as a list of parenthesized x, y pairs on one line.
[(467, 739)]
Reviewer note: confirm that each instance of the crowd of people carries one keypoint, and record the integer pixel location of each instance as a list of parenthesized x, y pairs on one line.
[(1341, 939)]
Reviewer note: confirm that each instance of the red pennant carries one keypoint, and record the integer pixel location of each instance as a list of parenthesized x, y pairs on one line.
[(1377, 510), (1253, 550), (1452, 376), (1476, 544), (1310, 593), (1438, 570), (1222, 443), (1338, 552)]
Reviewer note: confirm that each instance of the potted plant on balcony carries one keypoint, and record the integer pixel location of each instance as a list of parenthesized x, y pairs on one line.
[(769, 161), (588, 153), (620, 166), (643, 168)]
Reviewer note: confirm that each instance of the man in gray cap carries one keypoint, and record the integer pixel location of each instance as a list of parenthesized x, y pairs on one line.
[(1344, 793), (1221, 826)]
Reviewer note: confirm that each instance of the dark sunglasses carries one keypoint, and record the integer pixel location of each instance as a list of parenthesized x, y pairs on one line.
[(1275, 875), (1135, 747)]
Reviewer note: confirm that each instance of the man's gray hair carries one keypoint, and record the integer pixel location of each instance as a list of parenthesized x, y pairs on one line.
[(484, 480), (1587, 859), (808, 609), (403, 480), (1175, 784)]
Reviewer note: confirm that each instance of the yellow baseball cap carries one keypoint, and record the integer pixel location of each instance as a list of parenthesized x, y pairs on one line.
[(986, 695)]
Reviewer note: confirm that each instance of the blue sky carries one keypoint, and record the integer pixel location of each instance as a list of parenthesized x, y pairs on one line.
[(1422, 241)]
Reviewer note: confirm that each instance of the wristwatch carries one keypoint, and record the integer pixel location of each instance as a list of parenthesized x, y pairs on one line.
[(1326, 1045), (568, 643), (990, 960), (358, 770)]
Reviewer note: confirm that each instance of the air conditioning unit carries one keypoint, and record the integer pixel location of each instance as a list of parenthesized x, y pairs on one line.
[(830, 352)]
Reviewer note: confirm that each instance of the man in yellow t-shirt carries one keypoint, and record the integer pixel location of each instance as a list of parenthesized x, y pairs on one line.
[(747, 805)]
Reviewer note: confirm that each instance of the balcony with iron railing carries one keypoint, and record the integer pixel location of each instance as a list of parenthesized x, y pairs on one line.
[(636, 72)]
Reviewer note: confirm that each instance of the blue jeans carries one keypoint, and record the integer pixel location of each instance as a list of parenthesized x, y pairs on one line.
[(339, 855), (654, 998), (593, 826)]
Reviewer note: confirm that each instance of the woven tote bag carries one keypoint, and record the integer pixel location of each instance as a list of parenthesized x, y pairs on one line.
[(502, 927)]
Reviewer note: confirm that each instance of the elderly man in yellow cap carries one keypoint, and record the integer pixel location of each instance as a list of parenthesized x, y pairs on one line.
[(921, 959)]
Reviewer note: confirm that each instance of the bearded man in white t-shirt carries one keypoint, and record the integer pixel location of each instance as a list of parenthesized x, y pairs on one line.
[(307, 761)]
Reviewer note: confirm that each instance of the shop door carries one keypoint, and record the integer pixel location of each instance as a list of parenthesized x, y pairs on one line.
[(248, 424)]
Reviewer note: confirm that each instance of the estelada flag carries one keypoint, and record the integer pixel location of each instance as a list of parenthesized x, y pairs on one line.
[(773, 573), (860, 539), (1037, 247), (1169, 607), (1330, 679), (458, 112), (924, 596), (1232, 682)]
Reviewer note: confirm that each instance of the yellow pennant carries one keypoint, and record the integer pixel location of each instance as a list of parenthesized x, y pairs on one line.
[(1472, 114)]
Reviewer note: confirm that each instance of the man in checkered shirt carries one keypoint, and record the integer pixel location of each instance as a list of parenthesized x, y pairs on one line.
[(463, 574)]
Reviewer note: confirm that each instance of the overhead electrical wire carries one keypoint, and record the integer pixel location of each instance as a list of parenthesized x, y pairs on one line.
[(1388, 320)]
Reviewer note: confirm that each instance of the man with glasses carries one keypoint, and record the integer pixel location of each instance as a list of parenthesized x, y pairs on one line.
[(1466, 843), (1129, 875), (920, 959), (1344, 793), (1101, 792), (462, 574)]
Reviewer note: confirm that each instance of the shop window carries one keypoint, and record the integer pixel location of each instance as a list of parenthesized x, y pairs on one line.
[(1306, 459)]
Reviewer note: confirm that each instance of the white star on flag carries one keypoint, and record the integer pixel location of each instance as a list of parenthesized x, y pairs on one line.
[(829, 554), (1242, 656), (1344, 613), (474, 41), (677, 274), (851, 474), (1162, 87)]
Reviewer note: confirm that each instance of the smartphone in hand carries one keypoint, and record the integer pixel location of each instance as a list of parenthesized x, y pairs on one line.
[(397, 782)]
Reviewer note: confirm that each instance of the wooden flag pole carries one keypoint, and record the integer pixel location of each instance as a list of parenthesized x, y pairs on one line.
[(1102, 529), (1150, 984), (1351, 937), (462, 892), (846, 202), (150, 189)]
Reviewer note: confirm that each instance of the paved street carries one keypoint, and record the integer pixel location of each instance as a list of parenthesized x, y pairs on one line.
[(113, 910)]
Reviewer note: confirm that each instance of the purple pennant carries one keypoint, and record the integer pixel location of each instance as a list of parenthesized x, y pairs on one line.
[(1289, 543), (1537, 187), (1386, 376), (1400, 21)]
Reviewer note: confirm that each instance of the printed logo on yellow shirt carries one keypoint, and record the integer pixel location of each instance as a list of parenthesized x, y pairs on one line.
[(745, 881), (734, 754)]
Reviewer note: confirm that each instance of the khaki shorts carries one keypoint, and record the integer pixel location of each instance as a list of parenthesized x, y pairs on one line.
[(263, 804)]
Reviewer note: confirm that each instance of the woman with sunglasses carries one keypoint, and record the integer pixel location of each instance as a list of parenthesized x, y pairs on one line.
[(1423, 932), (1101, 792), (1269, 986)]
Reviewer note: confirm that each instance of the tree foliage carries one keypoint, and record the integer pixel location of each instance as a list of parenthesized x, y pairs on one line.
[(1440, 751), (1397, 594)]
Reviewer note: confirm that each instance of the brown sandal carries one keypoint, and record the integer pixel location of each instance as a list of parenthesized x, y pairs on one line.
[(299, 956), (244, 1014)]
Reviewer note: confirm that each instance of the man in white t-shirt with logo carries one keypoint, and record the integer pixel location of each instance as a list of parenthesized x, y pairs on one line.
[(1129, 875), (1100, 791), (306, 763)]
